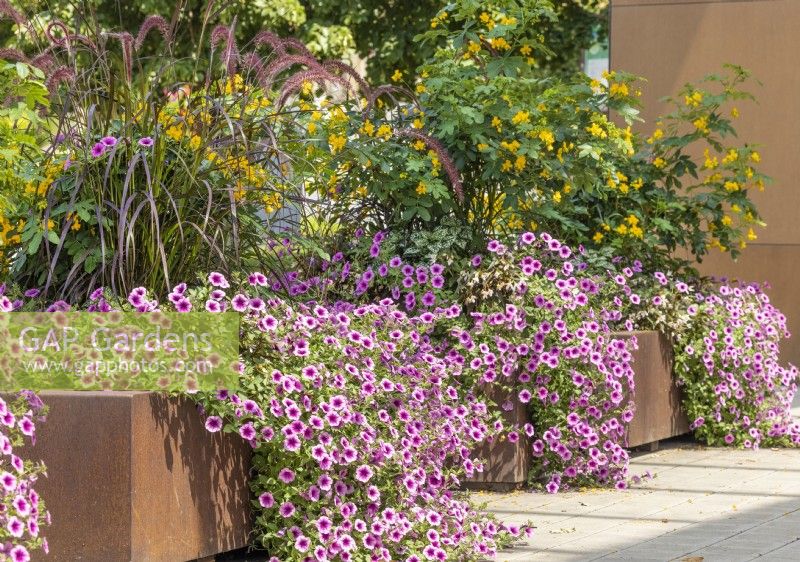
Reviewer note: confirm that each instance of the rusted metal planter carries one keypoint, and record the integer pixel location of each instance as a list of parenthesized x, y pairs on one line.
[(135, 476), (506, 464), (659, 414)]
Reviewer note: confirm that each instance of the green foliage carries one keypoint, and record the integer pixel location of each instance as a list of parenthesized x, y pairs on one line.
[(541, 153), (21, 130), (148, 178), (381, 32)]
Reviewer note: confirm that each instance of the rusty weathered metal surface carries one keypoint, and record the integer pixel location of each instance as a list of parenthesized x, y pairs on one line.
[(506, 464), (135, 476), (658, 399), (658, 415)]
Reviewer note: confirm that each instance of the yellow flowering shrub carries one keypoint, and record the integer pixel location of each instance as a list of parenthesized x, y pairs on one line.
[(543, 153)]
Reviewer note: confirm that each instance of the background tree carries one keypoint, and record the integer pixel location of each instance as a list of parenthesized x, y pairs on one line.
[(379, 32)]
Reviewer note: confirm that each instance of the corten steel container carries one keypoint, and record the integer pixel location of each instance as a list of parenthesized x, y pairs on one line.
[(506, 464), (135, 476), (658, 415)]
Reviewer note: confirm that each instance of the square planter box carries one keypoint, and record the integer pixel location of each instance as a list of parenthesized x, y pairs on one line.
[(659, 414), (506, 464), (135, 476)]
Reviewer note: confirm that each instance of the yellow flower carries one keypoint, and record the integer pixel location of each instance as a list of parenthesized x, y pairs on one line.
[(657, 134), (485, 18), (694, 99), (637, 184), (175, 132), (659, 163), (701, 124), (507, 165), (525, 50), (421, 188), (557, 197), (711, 161), (312, 128), (417, 124), (548, 138), (514, 222), (519, 163), (368, 128), (622, 229), (632, 220), (384, 131), (419, 145), (500, 44), (497, 123), (336, 143), (734, 112), (421, 88), (397, 76), (731, 186), (726, 220), (474, 47), (521, 117), (732, 156), (755, 157), (194, 142), (482, 146), (597, 131), (751, 235), (598, 237), (618, 90)]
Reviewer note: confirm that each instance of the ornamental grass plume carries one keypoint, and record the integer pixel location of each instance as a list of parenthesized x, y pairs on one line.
[(233, 160)]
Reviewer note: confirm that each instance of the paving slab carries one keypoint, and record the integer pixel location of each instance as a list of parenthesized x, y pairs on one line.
[(710, 504)]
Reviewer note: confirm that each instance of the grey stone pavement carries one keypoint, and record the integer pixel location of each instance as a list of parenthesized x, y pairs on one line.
[(710, 504)]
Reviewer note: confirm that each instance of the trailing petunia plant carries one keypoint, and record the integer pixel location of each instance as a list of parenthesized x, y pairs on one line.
[(727, 340), (727, 361), (22, 511), (536, 323)]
